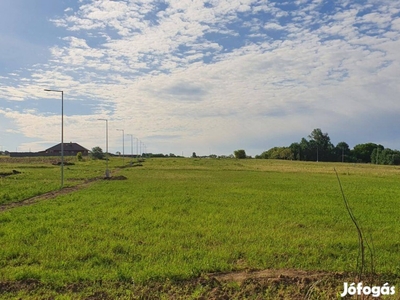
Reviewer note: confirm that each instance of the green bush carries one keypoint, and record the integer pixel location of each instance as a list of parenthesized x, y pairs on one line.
[(79, 156)]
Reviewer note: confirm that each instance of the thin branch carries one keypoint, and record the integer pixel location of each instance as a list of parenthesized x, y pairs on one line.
[(361, 249)]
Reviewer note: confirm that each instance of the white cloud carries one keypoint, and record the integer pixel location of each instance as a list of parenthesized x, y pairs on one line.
[(162, 74)]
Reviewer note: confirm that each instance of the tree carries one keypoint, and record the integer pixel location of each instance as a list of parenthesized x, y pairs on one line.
[(322, 145), (278, 153), (296, 151), (240, 154), (341, 151), (363, 152), (97, 153), (306, 150), (385, 157), (194, 155)]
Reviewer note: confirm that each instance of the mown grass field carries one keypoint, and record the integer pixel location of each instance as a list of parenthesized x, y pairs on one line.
[(173, 220)]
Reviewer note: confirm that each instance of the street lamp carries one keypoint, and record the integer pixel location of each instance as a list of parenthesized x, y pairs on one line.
[(137, 149), (123, 144), (62, 133), (131, 148), (144, 150), (107, 170)]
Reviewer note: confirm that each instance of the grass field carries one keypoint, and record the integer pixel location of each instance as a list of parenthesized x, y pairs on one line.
[(173, 222), (39, 175)]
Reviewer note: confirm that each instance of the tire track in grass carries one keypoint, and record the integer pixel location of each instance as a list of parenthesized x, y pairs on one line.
[(55, 193), (49, 195)]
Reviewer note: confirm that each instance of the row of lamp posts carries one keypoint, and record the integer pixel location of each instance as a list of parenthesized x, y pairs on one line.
[(62, 140)]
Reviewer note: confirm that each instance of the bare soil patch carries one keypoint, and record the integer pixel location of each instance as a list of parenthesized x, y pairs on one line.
[(264, 284), (270, 274)]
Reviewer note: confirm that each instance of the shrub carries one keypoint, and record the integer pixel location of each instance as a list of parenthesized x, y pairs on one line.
[(79, 156)]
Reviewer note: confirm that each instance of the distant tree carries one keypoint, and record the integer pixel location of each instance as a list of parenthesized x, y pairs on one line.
[(385, 157), (97, 153), (395, 159), (194, 155), (295, 148), (363, 152), (240, 154), (306, 150), (321, 143), (342, 151), (278, 153)]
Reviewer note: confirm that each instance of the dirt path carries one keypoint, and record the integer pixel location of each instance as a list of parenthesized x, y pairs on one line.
[(48, 195), (56, 193)]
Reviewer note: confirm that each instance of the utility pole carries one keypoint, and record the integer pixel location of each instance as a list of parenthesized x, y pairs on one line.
[(107, 170), (131, 149), (123, 144)]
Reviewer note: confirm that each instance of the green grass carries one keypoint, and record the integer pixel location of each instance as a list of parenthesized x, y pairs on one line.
[(38, 175), (179, 219)]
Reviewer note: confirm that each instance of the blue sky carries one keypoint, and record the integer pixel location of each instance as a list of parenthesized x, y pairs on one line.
[(189, 76)]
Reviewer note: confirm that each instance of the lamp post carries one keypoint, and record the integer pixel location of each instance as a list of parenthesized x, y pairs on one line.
[(123, 144), (131, 148), (107, 170), (137, 149), (62, 133)]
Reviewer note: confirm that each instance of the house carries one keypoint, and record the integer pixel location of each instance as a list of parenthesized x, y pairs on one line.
[(70, 149)]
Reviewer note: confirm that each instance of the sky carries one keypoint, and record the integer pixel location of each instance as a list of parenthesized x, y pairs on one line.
[(209, 77)]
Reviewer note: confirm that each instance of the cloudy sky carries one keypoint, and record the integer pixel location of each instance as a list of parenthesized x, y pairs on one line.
[(189, 76)]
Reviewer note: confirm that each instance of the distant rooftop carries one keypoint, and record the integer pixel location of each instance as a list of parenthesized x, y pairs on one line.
[(67, 147)]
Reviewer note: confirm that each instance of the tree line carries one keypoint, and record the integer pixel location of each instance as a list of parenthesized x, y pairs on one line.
[(318, 147)]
